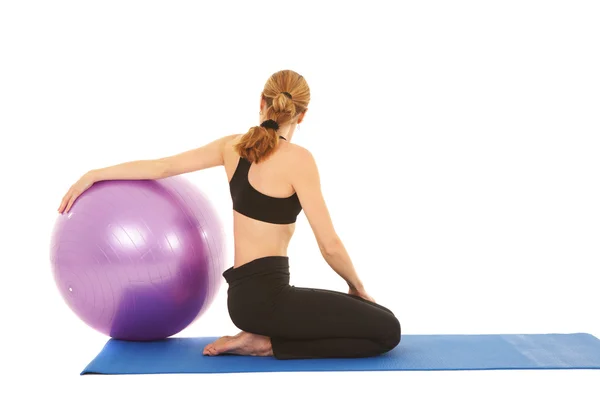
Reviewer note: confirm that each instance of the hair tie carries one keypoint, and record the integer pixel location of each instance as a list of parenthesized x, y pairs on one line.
[(269, 123), (287, 94)]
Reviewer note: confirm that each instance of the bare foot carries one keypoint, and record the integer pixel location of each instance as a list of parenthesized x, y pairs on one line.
[(243, 344), (211, 348)]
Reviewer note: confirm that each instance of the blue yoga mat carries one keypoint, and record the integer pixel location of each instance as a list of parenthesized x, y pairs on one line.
[(415, 353)]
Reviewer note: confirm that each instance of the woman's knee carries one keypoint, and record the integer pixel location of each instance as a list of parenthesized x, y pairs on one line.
[(392, 335)]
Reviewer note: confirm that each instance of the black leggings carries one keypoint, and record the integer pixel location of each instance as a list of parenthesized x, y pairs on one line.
[(304, 322)]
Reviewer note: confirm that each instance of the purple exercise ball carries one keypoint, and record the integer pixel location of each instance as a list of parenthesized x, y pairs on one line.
[(139, 260)]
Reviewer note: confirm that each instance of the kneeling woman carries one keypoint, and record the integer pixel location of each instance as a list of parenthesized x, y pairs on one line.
[(271, 180)]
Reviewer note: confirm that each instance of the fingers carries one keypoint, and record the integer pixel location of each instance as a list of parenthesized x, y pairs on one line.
[(368, 297), (71, 201), (64, 201), (68, 200)]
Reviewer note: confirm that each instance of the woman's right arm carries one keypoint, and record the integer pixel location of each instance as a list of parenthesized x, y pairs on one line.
[(208, 156), (307, 184)]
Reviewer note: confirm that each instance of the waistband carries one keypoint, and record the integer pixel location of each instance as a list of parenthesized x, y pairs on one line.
[(259, 266)]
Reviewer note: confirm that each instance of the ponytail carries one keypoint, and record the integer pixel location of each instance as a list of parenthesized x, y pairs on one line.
[(260, 141)]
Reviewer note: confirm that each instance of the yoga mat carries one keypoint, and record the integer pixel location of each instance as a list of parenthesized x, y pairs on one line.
[(414, 353)]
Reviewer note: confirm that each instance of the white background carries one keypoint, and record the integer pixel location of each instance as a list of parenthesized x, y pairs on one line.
[(458, 144)]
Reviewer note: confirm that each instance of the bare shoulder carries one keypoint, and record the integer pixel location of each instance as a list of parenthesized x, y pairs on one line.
[(298, 155), (231, 140), (229, 143), (300, 163)]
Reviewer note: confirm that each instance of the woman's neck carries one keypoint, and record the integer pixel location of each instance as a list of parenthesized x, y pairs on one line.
[(287, 131)]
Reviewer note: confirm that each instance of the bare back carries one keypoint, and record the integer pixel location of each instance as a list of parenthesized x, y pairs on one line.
[(253, 238)]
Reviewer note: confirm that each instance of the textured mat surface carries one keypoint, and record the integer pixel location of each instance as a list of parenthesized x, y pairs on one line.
[(415, 353)]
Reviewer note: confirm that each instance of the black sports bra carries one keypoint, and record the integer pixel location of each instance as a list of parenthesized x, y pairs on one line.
[(254, 204)]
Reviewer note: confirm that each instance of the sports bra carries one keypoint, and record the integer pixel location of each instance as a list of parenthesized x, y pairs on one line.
[(250, 202)]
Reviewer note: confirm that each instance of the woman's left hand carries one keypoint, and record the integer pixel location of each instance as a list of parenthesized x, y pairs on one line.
[(83, 184), (361, 293)]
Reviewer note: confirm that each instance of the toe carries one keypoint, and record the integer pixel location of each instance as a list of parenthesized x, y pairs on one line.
[(208, 349)]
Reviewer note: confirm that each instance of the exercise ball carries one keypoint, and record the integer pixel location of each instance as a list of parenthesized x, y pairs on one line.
[(139, 260)]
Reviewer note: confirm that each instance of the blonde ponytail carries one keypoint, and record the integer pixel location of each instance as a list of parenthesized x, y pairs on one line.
[(257, 144), (287, 95)]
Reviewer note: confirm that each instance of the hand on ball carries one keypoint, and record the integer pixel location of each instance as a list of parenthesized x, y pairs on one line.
[(83, 184)]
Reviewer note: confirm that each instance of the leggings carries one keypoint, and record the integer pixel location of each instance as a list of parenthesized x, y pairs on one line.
[(305, 322)]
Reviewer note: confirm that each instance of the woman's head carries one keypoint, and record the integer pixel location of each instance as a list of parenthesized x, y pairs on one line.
[(284, 99)]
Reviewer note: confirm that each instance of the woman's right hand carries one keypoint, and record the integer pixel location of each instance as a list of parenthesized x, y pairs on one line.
[(362, 293), (83, 184)]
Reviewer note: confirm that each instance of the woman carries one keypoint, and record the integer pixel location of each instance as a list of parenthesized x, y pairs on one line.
[(271, 180)]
